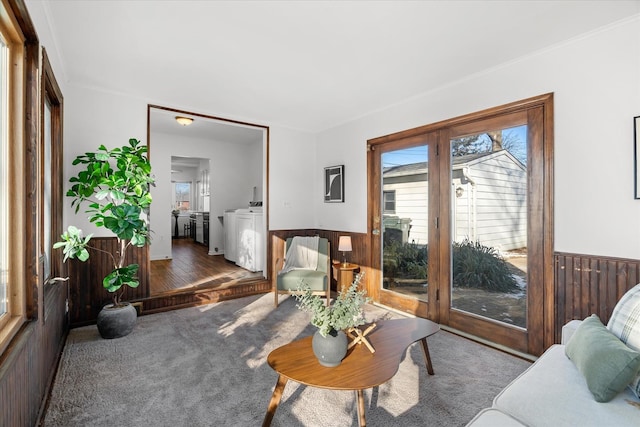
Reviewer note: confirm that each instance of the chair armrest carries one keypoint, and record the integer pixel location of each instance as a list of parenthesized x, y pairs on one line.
[(568, 330)]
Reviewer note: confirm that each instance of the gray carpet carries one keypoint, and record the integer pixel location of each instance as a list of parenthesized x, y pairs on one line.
[(206, 366)]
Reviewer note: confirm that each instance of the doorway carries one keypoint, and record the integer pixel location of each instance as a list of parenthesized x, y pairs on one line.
[(202, 169), (461, 222)]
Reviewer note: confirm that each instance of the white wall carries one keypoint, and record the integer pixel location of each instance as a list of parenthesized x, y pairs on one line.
[(596, 84), (597, 93), (293, 172), (92, 118)]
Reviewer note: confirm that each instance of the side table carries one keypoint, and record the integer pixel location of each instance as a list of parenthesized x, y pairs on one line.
[(343, 273)]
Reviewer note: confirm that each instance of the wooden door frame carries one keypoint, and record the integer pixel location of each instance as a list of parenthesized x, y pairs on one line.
[(430, 309), (541, 296)]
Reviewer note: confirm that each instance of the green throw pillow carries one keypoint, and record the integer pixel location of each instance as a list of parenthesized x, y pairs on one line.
[(606, 363)]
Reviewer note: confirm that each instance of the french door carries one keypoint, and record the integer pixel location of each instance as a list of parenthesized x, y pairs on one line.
[(460, 215), (404, 237)]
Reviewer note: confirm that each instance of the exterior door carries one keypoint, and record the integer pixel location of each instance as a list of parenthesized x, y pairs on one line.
[(402, 227), (460, 223), (488, 281)]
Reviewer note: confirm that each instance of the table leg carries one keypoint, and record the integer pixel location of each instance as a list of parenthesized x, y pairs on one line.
[(427, 356), (275, 400), (360, 401), (346, 278)]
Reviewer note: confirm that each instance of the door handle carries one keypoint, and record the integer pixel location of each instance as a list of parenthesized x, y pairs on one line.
[(375, 231), (55, 280)]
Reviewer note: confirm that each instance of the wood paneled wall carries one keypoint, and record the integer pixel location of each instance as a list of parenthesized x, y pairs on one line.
[(87, 295), (191, 298), (358, 243), (27, 367), (586, 285)]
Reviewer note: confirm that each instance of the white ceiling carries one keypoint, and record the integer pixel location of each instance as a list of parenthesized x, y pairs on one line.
[(308, 65), (164, 121)]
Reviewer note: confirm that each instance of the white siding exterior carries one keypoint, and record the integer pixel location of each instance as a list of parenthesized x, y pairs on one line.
[(411, 202), (490, 207), (493, 206)]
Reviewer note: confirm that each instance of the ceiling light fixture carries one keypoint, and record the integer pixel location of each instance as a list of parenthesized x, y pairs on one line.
[(184, 121)]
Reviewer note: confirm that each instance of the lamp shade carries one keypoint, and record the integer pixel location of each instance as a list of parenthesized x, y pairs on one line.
[(344, 244), (184, 121)]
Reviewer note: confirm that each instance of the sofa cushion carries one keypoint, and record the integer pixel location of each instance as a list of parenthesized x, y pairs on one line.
[(568, 330), (625, 324), (552, 392), (607, 364), (491, 417), (625, 319), (314, 279)]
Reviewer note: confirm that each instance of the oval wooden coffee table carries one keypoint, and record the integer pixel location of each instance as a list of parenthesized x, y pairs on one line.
[(359, 370)]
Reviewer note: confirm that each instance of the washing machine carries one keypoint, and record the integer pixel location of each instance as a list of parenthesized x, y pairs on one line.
[(250, 239)]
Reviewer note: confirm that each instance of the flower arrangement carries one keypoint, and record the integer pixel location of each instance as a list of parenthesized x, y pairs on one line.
[(346, 311)]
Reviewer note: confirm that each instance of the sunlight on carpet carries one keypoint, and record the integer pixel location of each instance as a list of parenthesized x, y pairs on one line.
[(206, 366)]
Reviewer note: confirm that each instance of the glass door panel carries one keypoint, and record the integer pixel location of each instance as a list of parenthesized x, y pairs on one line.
[(482, 185), (489, 225), (404, 208)]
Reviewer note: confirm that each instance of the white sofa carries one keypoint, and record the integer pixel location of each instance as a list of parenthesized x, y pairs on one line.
[(553, 392)]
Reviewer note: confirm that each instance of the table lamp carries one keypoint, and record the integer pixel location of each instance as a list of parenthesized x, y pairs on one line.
[(344, 245)]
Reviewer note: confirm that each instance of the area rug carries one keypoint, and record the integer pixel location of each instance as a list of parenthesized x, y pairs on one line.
[(206, 366)]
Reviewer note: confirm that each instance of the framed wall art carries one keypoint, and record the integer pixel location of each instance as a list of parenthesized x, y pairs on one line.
[(334, 184), (636, 156)]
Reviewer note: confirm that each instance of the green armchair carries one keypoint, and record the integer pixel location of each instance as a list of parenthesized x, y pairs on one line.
[(318, 278)]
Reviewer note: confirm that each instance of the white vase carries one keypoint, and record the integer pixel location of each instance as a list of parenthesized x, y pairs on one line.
[(330, 350)]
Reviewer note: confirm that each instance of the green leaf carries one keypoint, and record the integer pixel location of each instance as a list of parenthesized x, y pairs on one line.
[(83, 255), (117, 195), (100, 195)]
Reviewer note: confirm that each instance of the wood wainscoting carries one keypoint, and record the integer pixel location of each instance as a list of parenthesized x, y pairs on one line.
[(28, 365), (359, 255), (87, 296), (195, 297), (587, 284)]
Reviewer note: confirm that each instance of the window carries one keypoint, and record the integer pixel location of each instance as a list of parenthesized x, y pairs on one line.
[(182, 196), (17, 184), (4, 185), (46, 191), (389, 198), (51, 170)]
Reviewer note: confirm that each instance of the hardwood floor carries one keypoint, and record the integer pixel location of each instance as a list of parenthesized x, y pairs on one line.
[(193, 268)]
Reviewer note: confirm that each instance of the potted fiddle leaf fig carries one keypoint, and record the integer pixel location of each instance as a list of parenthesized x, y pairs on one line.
[(113, 187)]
